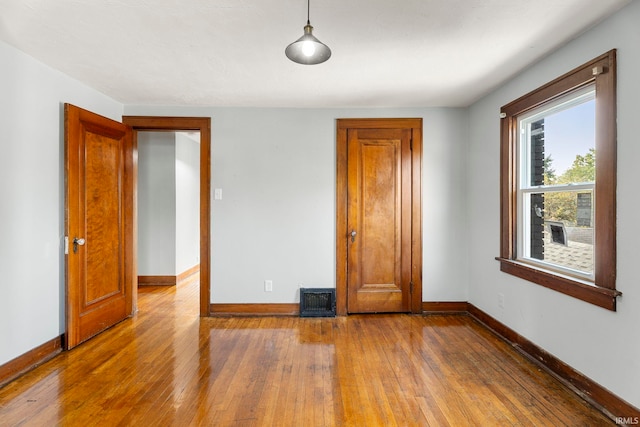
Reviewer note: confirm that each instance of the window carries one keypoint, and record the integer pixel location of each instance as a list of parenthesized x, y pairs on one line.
[(558, 184)]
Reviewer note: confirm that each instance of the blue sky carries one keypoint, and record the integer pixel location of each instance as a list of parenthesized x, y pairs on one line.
[(568, 133)]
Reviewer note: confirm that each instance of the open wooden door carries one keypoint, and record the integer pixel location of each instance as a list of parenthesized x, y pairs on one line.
[(99, 210)]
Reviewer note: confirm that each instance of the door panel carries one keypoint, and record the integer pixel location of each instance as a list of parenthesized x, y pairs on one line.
[(379, 220), (99, 212), (103, 255)]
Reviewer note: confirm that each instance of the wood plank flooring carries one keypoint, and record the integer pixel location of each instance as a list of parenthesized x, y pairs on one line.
[(166, 367)]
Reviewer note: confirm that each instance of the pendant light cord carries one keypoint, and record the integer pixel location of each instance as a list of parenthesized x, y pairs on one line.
[(308, 6)]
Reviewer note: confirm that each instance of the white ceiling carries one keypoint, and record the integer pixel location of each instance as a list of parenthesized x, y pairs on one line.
[(403, 53)]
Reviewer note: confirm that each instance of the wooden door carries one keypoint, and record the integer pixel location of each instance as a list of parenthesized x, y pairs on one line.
[(382, 236), (98, 223)]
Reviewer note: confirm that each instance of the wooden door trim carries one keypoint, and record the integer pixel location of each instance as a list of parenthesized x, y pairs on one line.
[(203, 125), (415, 124)]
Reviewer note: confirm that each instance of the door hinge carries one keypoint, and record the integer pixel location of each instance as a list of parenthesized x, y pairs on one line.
[(66, 245), (411, 287), (411, 144)]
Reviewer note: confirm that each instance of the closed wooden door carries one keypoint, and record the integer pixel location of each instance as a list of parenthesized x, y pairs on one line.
[(379, 211), (98, 222)]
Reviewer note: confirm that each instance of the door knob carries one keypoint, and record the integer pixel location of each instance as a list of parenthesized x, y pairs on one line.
[(77, 241), (353, 236)]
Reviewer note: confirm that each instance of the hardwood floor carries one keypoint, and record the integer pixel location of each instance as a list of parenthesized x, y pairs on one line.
[(166, 366)]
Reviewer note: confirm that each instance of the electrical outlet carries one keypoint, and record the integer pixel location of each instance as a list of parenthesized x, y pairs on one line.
[(501, 300), (268, 285)]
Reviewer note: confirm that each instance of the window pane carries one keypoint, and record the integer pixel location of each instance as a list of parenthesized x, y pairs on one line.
[(561, 229), (570, 144), (559, 143)]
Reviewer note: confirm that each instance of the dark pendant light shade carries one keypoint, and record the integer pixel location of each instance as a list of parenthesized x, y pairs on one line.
[(308, 50)]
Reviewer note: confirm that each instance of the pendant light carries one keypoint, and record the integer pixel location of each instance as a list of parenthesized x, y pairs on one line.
[(308, 50)]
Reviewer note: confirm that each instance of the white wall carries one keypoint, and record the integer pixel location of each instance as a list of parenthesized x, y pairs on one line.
[(187, 164), (32, 195), (277, 217), (444, 203), (601, 344), (156, 204)]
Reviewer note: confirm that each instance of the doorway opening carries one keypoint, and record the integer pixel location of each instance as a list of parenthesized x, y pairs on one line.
[(190, 125), (168, 207)]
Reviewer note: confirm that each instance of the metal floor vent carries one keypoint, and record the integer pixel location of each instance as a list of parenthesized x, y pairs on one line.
[(317, 302)]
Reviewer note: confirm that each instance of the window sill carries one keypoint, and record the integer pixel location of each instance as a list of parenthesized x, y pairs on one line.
[(583, 290)]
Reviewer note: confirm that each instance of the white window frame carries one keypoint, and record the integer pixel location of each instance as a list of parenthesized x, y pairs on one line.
[(525, 188)]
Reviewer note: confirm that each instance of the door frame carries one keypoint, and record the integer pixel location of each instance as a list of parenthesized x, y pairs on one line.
[(176, 124), (342, 125)]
